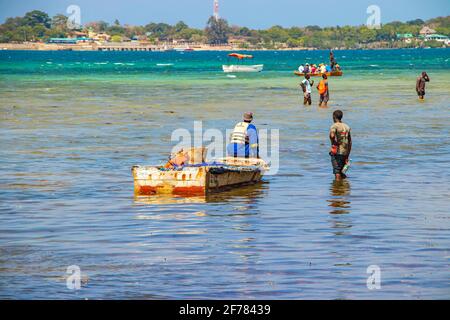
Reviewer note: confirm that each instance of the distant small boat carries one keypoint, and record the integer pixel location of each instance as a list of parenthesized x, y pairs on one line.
[(242, 67), (183, 49), (329, 74)]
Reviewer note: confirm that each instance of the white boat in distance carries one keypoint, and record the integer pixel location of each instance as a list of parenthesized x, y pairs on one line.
[(242, 67)]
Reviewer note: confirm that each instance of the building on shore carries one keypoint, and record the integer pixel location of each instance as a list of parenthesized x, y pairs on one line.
[(77, 34), (62, 40), (438, 37), (405, 37), (426, 31), (102, 37)]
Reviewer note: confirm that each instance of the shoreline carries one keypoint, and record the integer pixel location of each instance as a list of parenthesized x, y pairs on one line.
[(36, 46)]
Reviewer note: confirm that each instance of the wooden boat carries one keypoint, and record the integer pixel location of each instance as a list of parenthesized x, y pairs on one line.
[(198, 179), (329, 74), (242, 67)]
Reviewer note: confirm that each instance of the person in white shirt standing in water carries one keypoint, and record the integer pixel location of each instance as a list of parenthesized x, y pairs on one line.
[(306, 85)]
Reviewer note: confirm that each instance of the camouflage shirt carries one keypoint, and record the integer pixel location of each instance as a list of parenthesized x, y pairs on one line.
[(341, 132)]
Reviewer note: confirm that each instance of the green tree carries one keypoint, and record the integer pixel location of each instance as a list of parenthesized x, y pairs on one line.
[(443, 30), (198, 38), (116, 29), (36, 17), (245, 32), (59, 21), (59, 27), (418, 22), (387, 32), (97, 26), (295, 32), (180, 26), (217, 31), (366, 35), (54, 33), (277, 34), (39, 32), (116, 38), (162, 31), (294, 43)]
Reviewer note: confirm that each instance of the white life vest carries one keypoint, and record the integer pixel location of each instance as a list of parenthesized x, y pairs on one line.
[(239, 134)]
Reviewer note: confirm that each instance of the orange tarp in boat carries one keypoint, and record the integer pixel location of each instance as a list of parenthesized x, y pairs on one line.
[(240, 56)]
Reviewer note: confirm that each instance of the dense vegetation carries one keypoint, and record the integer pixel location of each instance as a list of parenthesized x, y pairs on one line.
[(38, 26)]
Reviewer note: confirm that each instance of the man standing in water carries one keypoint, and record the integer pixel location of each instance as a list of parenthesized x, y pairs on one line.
[(323, 91), (244, 139), (420, 85), (341, 144), (306, 85)]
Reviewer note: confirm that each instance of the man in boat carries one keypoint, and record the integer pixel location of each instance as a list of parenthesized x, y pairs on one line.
[(322, 68), (301, 68), (420, 85), (341, 144), (307, 69), (323, 91), (244, 139), (332, 60), (306, 85)]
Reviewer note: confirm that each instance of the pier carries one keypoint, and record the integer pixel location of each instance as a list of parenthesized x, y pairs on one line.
[(129, 47)]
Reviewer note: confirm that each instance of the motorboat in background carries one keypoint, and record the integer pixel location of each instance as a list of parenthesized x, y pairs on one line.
[(232, 68)]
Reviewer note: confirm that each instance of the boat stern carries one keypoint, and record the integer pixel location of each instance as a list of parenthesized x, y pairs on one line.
[(150, 180)]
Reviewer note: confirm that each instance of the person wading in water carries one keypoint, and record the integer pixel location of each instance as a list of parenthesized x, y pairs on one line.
[(323, 91), (341, 144), (306, 85), (420, 85)]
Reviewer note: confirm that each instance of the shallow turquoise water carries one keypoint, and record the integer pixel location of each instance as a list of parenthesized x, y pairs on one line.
[(73, 124)]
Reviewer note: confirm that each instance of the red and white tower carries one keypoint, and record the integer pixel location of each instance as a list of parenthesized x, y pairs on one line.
[(216, 9)]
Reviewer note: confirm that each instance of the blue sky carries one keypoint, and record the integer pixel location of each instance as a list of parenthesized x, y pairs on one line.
[(251, 13)]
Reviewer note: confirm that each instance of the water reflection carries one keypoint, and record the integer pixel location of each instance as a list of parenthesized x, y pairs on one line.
[(246, 195), (339, 201), (340, 207)]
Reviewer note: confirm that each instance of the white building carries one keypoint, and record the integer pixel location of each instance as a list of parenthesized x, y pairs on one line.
[(437, 37)]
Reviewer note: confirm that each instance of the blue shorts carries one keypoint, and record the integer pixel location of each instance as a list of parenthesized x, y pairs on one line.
[(338, 163)]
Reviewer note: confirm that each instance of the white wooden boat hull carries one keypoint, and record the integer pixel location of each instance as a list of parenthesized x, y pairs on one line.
[(242, 68), (149, 180)]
